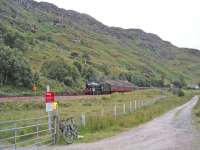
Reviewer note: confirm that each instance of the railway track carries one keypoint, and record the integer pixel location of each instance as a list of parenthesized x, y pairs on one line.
[(58, 97), (41, 98)]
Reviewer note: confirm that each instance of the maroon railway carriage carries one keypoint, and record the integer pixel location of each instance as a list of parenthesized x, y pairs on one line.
[(108, 87), (120, 86)]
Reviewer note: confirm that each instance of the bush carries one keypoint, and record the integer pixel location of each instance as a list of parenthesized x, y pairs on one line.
[(180, 83), (60, 71), (78, 65), (180, 93), (89, 73), (13, 38), (14, 69), (68, 81)]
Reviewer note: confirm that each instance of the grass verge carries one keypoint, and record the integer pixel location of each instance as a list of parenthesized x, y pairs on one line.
[(196, 114), (107, 126), (97, 126), (31, 109)]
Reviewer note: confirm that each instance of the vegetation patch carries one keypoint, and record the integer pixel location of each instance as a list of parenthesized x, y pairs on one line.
[(196, 114), (99, 126)]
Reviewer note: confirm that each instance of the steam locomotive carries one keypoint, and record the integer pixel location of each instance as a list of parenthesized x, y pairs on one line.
[(108, 87)]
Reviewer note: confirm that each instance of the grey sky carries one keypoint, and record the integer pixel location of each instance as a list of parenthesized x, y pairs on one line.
[(177, 21)]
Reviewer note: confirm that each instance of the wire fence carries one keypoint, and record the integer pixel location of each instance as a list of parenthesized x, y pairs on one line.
[(115, 110), (25, 134), (34, 133)]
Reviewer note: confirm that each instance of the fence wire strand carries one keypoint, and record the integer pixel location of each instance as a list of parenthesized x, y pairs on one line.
[(37, 134)]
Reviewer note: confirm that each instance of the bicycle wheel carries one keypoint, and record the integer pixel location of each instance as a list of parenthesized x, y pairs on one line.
[(68, 136), (75, 131)]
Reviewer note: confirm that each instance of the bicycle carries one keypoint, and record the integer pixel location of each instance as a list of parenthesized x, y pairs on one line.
[(69, 130)]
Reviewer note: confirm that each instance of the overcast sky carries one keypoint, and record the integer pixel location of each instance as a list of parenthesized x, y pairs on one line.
[(177, 21)]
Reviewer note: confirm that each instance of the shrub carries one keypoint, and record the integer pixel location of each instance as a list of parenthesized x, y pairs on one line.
[(180, 93), (59, 70), (13, 38), (14, 69)]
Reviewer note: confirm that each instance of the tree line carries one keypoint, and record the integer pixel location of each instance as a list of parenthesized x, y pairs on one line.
[(16, 70)]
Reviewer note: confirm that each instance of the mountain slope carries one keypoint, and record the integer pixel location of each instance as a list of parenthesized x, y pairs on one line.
[(90, 48)]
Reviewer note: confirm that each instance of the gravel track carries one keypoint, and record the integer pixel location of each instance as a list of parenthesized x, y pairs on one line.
[(172, 131)]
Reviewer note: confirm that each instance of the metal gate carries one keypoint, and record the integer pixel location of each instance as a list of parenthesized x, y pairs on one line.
[(26, 134)]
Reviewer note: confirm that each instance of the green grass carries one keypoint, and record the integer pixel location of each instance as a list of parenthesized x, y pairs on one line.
[(101, 127), (196, 112), (97, 126), (33, 109), (20, 109)]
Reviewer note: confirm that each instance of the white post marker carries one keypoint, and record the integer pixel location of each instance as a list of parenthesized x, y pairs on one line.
[(48, 88), (49, 100)]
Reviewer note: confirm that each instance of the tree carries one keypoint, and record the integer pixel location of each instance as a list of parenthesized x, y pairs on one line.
[(123, 76), (68, 81), (78, 65), (12, 38), (14, 69), (74, 73), (140, 80), (55, 69), (59, 70), (89, 73), (180, 82), (105, 69)]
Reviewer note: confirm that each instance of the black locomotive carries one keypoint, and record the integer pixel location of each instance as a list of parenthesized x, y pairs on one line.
[(108, 87)]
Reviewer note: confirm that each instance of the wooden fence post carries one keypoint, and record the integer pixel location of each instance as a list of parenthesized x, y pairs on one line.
[(124, 108), (135, 105), (15, 134), (130, 106), (115, 111), (54, 129), (37, 131), (83, 122)]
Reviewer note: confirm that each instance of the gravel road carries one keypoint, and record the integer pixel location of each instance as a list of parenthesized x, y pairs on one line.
[(172, 131)]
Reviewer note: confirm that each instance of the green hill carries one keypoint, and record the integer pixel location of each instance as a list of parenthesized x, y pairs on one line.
[(44, 44)]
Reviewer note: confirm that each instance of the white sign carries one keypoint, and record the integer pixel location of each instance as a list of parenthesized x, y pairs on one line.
[(49, 107)]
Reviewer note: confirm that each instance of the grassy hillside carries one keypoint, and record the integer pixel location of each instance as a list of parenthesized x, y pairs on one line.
[(65, 48)]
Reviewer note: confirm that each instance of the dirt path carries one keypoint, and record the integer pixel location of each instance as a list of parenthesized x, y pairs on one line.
[(172, 131)]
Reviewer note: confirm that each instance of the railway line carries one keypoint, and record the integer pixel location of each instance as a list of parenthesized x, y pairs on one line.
[(41, 98), (60, 96)]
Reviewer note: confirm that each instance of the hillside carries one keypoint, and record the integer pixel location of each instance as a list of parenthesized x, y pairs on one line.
[(65, 48)]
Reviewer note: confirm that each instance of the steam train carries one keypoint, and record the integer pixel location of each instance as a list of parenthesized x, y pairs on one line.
[(108, 87)]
